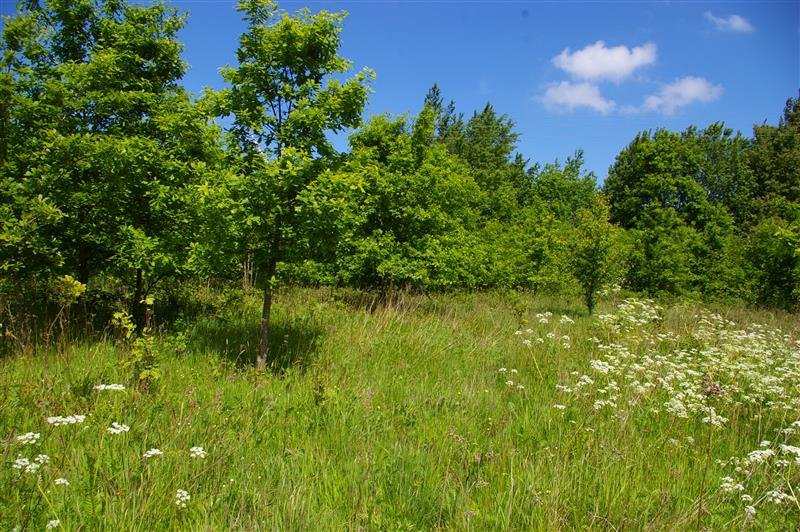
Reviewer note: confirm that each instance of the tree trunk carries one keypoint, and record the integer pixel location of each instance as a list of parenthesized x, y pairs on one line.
[(138, 306), (83, 263), (248, 272)]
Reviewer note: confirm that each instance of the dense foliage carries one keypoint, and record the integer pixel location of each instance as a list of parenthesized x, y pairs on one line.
[(111, 173)]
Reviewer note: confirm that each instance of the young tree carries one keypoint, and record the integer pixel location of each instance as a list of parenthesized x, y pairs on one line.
[(597, 250), (285, 95)]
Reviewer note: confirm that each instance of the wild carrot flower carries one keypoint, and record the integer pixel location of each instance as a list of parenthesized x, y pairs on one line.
[(28, 438), (110, 387), (117, 428), (53, 523), (197, 452), (61, 482), (152, 452), (181, 498), (68, 420)]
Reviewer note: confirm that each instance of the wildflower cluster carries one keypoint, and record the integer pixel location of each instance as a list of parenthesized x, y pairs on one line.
[(110, 387), (631, 314), (68, 420), (117, 428), (150, 453), (727, 368), (717, 372), (28, 466), (181, 498), (197, 452), (765, 476), (29, 438), (551, 337)]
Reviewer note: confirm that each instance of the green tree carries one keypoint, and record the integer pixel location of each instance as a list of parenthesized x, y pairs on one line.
[(597, 255), (564, 189), (399, 211), (99, 127), (284, 95), (775, 163)]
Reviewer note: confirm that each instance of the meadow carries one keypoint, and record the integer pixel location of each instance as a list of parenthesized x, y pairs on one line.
[(464, 411)]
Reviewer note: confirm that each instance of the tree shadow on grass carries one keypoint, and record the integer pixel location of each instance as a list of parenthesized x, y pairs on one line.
[(294, 341)]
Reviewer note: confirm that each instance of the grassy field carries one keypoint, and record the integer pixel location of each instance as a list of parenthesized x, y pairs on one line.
[(461, 411)]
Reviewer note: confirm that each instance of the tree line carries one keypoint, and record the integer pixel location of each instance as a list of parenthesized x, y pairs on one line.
[(113, 174)]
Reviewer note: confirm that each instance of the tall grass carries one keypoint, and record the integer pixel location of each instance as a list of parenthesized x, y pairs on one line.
[(399, 414)]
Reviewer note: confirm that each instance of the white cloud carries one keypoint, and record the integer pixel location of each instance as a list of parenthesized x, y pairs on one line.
[(731, 23), (569, 96), (597, 62), (680, 93)]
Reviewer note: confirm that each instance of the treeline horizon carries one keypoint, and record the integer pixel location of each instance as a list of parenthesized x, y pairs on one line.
[(115, 177)]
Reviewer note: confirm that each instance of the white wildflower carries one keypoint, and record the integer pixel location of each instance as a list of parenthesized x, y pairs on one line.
[(760, 456), (42, 459), (559, 407), (20, 463), (53, 523), (729, 485), (28, 438), (117, 428), (749, 512), (527, 342), (514, 371), (181, 498), (509, 383), (713, 418), (520, 387), (110, 387), (152, 452), (61, 482), (68, 420), (197, 452), (601, 366), (777, 497), (502, 370)]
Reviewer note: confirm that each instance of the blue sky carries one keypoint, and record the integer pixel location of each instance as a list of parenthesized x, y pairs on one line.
[(571, 75)]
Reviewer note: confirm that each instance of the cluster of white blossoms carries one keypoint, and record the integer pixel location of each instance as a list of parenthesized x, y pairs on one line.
[(197, 452), (181, 498), (28, 466), (29, 438), (53, 523), (551, 337), (725, 369), (117, 428), (763, 471), (715, 372), (61, 482), (109, 387), (68, 420), (150, 453)]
